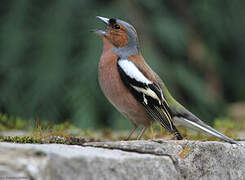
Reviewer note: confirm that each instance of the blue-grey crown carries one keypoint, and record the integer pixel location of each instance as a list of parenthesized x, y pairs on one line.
[(132, 47)]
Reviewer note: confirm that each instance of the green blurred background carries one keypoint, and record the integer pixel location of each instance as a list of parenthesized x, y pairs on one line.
[(49, 59)]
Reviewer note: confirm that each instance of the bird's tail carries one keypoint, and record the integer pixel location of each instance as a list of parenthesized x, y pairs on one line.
[(183, 117), (197, 123), (177, 133)]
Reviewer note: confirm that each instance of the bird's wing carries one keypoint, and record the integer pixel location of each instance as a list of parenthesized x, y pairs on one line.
[(147, 93), (184, 117)]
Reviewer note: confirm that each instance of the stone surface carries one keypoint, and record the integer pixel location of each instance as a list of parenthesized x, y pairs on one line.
[(153, 159)]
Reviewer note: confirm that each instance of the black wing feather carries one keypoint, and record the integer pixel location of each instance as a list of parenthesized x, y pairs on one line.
[(158, 111)]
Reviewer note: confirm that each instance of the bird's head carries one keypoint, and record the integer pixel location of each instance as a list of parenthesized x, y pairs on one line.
[(120, 33)]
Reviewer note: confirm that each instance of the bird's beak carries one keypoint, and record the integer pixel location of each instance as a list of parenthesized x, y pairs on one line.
[(104, 20)]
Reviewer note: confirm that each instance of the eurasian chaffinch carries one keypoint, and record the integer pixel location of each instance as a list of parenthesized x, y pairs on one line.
[(135, 89)]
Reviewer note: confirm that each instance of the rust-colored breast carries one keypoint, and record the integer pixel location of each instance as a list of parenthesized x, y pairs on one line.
[(114, 89)]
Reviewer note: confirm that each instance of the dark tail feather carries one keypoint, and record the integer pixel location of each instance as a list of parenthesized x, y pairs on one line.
[(177, 133)]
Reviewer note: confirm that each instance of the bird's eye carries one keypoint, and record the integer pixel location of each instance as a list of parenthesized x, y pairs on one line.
[(116, 26)]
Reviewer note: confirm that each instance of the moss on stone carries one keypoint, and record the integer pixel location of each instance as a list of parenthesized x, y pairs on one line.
[(21, 139), (66, 133), (46, 139)]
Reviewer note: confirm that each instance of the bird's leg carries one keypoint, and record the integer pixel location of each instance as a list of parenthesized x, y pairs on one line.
[(141, 133), (131, 132)]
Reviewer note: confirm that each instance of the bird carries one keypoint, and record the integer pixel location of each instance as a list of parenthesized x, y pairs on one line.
[(135, 90)]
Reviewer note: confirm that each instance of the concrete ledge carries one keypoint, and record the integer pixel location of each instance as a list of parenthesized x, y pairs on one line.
[(153, 159)]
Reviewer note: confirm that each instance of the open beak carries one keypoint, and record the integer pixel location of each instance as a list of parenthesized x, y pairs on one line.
[(104, 20)]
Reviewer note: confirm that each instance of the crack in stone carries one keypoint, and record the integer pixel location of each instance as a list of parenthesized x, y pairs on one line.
[(173, 160)]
